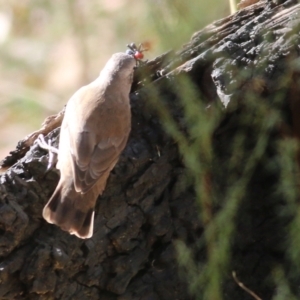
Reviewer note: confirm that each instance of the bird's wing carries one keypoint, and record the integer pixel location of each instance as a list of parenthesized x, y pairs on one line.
[(92, 159)]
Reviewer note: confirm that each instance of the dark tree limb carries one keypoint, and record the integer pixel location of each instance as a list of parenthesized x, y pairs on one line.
[(149, 203)]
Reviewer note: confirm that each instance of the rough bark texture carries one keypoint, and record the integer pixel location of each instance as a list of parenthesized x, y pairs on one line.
[(146, 206)]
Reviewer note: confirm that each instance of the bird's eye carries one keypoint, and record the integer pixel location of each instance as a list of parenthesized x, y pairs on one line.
[(129, 52)]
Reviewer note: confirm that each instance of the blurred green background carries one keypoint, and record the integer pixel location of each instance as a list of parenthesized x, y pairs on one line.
[(48, 49)]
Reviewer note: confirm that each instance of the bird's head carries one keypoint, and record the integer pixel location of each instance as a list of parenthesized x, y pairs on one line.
[(120, 65)]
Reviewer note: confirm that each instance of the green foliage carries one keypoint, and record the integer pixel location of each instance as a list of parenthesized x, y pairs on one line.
[(259, 119)]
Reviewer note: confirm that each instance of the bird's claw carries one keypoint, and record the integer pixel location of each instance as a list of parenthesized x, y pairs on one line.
[(47, 146)]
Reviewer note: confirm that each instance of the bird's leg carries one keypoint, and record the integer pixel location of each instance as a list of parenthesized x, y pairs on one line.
[(52, 150)]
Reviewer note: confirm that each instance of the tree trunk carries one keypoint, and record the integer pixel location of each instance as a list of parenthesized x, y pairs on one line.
[(244, 70)]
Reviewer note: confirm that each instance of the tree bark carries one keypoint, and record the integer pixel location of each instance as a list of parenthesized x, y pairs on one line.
[(150, 201)]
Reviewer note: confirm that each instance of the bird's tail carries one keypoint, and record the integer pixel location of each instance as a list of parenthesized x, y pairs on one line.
[(71, 211)]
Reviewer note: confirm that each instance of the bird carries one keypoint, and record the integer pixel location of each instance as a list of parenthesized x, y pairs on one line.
[(94, 132)]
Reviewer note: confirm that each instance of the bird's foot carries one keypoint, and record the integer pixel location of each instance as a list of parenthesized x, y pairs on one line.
[(47, 146)]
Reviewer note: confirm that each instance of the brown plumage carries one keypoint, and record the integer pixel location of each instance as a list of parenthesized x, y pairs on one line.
[(93, 134)]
